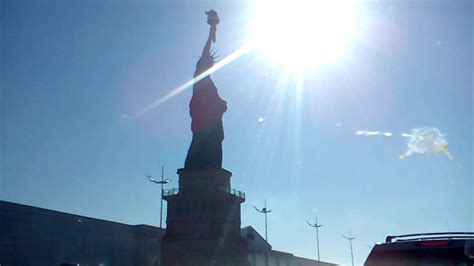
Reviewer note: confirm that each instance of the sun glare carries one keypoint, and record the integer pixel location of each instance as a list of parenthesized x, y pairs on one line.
[(303, 33)]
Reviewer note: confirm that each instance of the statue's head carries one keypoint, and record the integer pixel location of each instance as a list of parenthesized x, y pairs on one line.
[(204, 63)]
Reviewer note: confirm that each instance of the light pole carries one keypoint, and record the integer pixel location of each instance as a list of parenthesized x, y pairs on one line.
[(265, 211), (350, 238), (161, 183), (316, 225)]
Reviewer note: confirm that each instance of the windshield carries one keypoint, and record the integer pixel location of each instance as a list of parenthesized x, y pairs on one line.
[(356, 116)]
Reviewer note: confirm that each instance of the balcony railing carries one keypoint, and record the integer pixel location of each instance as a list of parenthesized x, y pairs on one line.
[(175, 191), (170, 192), (238, 193)]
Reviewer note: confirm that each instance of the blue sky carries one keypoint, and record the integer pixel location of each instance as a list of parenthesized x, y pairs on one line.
[(71, 70)]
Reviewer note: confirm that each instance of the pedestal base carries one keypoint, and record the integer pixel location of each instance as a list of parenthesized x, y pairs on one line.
[(203, 221)]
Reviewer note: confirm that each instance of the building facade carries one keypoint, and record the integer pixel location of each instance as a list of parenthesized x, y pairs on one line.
[(40, 237)]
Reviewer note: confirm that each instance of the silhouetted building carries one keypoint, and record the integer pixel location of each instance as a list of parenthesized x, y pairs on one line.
[(40, 237)]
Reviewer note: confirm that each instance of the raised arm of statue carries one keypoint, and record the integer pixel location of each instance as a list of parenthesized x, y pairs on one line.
[(212, 38), (207, 60)]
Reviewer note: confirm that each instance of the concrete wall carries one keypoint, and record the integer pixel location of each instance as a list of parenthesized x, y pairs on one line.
[(260, 253), (272, 260), (277, 258), (35, 236), (298, 261)]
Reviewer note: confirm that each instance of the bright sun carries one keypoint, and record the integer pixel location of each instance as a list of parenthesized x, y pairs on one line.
[(300, 34)]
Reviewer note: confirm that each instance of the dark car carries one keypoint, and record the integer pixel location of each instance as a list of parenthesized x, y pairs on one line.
[(455, 249)]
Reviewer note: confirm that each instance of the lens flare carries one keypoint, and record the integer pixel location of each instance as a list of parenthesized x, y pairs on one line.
[(236, 54), (304, 33)]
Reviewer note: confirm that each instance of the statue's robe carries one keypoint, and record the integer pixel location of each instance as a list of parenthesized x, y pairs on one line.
[(206, 110)]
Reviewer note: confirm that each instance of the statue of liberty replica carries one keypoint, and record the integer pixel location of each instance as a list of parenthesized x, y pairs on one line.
[(206, 109), (203, 216)]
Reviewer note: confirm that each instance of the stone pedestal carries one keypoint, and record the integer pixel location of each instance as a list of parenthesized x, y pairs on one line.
[(203, 221)]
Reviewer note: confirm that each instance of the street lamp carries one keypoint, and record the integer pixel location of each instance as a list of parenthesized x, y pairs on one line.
[(316, 225), (161, 183), (350, 238), (265, 211)]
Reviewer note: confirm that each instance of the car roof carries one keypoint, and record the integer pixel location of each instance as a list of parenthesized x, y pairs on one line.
[(428, 236)]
